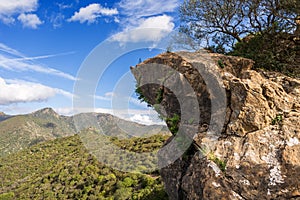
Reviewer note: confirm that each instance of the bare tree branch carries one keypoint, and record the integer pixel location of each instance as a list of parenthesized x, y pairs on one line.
[(234, 19)]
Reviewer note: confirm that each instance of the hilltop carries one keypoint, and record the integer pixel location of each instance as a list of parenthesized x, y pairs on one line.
[(22, 131), (3, 116)]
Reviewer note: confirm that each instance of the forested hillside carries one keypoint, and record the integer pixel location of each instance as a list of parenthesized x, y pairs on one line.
[(64, 169)]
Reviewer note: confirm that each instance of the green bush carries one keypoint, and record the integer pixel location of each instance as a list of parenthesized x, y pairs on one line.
[(7, 196), (173, 123), (159, 96), (270, 52), (123, 194), (128, 182)]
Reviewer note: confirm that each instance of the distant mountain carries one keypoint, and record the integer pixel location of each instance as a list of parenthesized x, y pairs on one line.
[(3, 116), (114, 126), (64, 169), (22, 131)]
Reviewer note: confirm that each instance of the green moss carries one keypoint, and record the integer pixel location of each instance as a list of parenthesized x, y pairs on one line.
[(191, 121), (221, 64), (173, 123), (277, 120), (220, 163), (159, 96)]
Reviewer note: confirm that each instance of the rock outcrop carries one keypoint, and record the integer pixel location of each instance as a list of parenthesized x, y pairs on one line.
[(255, 154)]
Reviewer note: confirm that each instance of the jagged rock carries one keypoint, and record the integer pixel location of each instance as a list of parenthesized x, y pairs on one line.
[(46, 112), (256, 155)]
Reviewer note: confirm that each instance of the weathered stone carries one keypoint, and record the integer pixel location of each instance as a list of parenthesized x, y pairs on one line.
[(257, 153)]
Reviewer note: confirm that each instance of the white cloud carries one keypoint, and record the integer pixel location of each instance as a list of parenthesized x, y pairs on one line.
[(64, 93), (107, 96), (151, 29), (145, 20), (68, 111), (63, 6), (160, 22), (146, 8), (10, 8), (91, 12), (145, 119), (17, 6), (138, 103), (30, 20), (108, 11), (23, 65), (18, 91), (116, 20), (142, 116), (15, 61), (57, 20), (7, 20)]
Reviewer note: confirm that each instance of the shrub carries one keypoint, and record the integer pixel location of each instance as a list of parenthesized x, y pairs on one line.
[(7, 196), (173, 123), (274, 52)]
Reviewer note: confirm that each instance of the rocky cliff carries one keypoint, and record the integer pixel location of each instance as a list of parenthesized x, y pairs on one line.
[(246, 144)]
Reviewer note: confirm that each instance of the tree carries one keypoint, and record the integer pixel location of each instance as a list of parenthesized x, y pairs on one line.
[(222, 23), (270, 52)]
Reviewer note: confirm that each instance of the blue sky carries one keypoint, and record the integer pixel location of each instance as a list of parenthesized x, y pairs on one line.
[(44, 43)]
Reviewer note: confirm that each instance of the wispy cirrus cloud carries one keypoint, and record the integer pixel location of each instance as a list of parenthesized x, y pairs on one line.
[(63, 6), (91, 13), (106, 97), (130, 100), (41, 57), (57, 20), (13, 60), (135, 9), (19, 91), (9, 50)]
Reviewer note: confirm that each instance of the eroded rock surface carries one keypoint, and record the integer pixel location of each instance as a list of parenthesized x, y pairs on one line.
[(256, 154)]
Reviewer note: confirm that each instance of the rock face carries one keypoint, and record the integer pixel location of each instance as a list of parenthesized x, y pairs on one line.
[(256, 153)]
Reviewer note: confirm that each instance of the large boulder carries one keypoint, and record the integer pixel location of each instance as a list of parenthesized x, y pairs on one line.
[(256, 152)]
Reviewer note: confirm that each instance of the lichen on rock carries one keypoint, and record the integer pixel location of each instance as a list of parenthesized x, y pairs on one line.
[(259, 137)]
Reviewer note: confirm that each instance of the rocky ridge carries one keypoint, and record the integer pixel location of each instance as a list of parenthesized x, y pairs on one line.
[(22, 131), (256, 152)]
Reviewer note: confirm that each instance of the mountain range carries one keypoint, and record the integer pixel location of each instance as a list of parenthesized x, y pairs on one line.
[(22, 131), (43, 156)]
